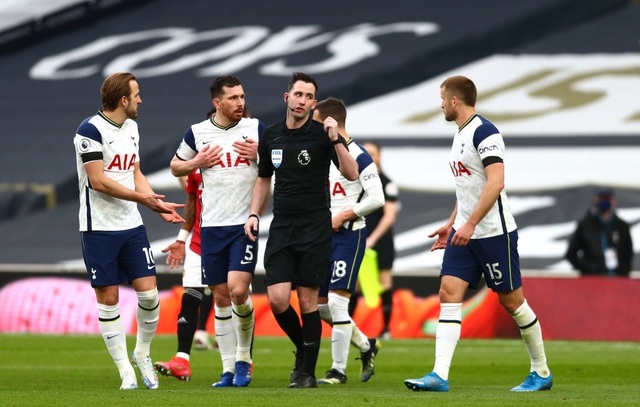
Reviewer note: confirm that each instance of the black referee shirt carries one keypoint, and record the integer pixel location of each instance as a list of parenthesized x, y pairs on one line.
[(300, 160)]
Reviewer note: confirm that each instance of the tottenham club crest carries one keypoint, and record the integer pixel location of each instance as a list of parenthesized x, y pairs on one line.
[(276, 157), (304, 158)]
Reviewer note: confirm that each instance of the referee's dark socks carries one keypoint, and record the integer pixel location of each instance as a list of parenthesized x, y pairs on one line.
[(290, 323), (311, 333), (387, 303)]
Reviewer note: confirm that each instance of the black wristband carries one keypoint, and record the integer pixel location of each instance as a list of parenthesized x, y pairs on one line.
[(338, 141), (253, 215)]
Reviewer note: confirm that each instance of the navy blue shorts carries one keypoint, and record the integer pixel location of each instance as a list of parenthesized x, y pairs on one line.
[(224, 249), (114, 258), (494, 257), (347, 250)]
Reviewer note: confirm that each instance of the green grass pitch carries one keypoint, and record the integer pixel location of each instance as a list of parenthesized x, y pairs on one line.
[(76, 370)]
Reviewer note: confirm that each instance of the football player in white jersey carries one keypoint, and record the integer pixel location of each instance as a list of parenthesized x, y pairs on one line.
[(479, 239), (224, 147), (351, 201), (187, 249), (115, 246)]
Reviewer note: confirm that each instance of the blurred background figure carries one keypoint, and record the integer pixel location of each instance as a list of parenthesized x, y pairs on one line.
[(601, 243), (380, 238)]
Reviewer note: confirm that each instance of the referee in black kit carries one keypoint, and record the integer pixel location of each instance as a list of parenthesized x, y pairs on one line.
[(299, 151)]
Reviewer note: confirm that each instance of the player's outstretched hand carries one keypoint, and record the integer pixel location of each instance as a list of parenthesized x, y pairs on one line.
[(176, 254), (441, 241), (154, 202), (167, 210)]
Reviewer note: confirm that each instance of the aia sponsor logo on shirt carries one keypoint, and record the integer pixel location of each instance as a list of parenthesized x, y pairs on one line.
[(458, 169), (227, 161), (122, 162)]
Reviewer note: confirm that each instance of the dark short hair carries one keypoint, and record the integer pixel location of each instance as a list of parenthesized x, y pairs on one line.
[(333, 107), (604, 192), (217, 87), (114, 87), (301, 76)]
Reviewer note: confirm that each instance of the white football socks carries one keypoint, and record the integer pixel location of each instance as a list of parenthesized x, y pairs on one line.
[(341, 332), (147, 315), (226, 337), (244, 323), (447, 336), (531, 333), (115, 336)]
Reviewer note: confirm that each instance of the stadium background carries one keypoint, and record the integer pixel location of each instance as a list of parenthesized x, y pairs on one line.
[(557, 76)]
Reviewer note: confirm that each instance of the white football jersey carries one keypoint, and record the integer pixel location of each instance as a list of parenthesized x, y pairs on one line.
[(476, 141), (364, 195), (99, 138), (228, 186)]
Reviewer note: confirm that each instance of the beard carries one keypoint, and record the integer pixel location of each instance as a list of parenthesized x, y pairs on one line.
[(132, 112), (450, 116)]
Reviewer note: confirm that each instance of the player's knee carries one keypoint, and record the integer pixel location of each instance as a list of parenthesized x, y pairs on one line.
[(339, 307), (108, 312), (278, 305), (325, 313), (238, 295), (512, 300), (148, 299)]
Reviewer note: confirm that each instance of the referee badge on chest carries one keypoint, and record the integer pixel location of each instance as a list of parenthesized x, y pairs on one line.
[(304, 158), (276, 157)]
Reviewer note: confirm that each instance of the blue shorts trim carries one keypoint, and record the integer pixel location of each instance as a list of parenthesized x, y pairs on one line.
[(495, 258)]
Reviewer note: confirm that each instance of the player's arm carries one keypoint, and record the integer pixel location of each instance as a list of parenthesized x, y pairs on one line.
[(176, 249), (189, 212), (153, 201), (101, 183), (346, 163), (183, 182), (444, 231), (261, 190), (207, 157), (386, 222), (372, 200), (488, 197)]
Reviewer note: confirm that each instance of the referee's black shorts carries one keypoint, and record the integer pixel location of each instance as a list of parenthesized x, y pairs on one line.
[(298, 249), (386, 252)]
